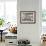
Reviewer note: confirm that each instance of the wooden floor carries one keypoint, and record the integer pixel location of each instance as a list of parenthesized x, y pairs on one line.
[(2, 43)]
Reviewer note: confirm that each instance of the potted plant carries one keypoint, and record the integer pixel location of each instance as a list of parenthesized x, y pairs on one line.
[(1, 22)]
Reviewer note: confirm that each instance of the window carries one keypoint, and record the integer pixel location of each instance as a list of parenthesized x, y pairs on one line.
[(8, 11), (1, 9), (43, 16), (43, 12)]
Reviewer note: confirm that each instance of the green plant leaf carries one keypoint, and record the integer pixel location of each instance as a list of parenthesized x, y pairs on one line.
[(1, 21)]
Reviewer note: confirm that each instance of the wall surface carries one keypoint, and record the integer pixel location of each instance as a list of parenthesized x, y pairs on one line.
[(30, 31)]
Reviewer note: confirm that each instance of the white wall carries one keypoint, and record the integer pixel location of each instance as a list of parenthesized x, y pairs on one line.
[(29, 31)]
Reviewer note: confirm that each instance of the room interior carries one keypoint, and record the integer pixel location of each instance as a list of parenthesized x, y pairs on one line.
[(22, 22)]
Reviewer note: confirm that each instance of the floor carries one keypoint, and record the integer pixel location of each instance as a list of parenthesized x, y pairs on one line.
[(2, 43)]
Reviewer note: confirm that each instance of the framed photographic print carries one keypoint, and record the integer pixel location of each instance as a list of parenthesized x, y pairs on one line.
[(27, 17)]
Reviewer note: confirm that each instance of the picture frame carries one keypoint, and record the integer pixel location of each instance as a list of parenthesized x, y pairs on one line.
[(27, 17)]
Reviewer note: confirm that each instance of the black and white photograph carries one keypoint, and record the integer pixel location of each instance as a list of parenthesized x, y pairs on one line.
[(27, 17)]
